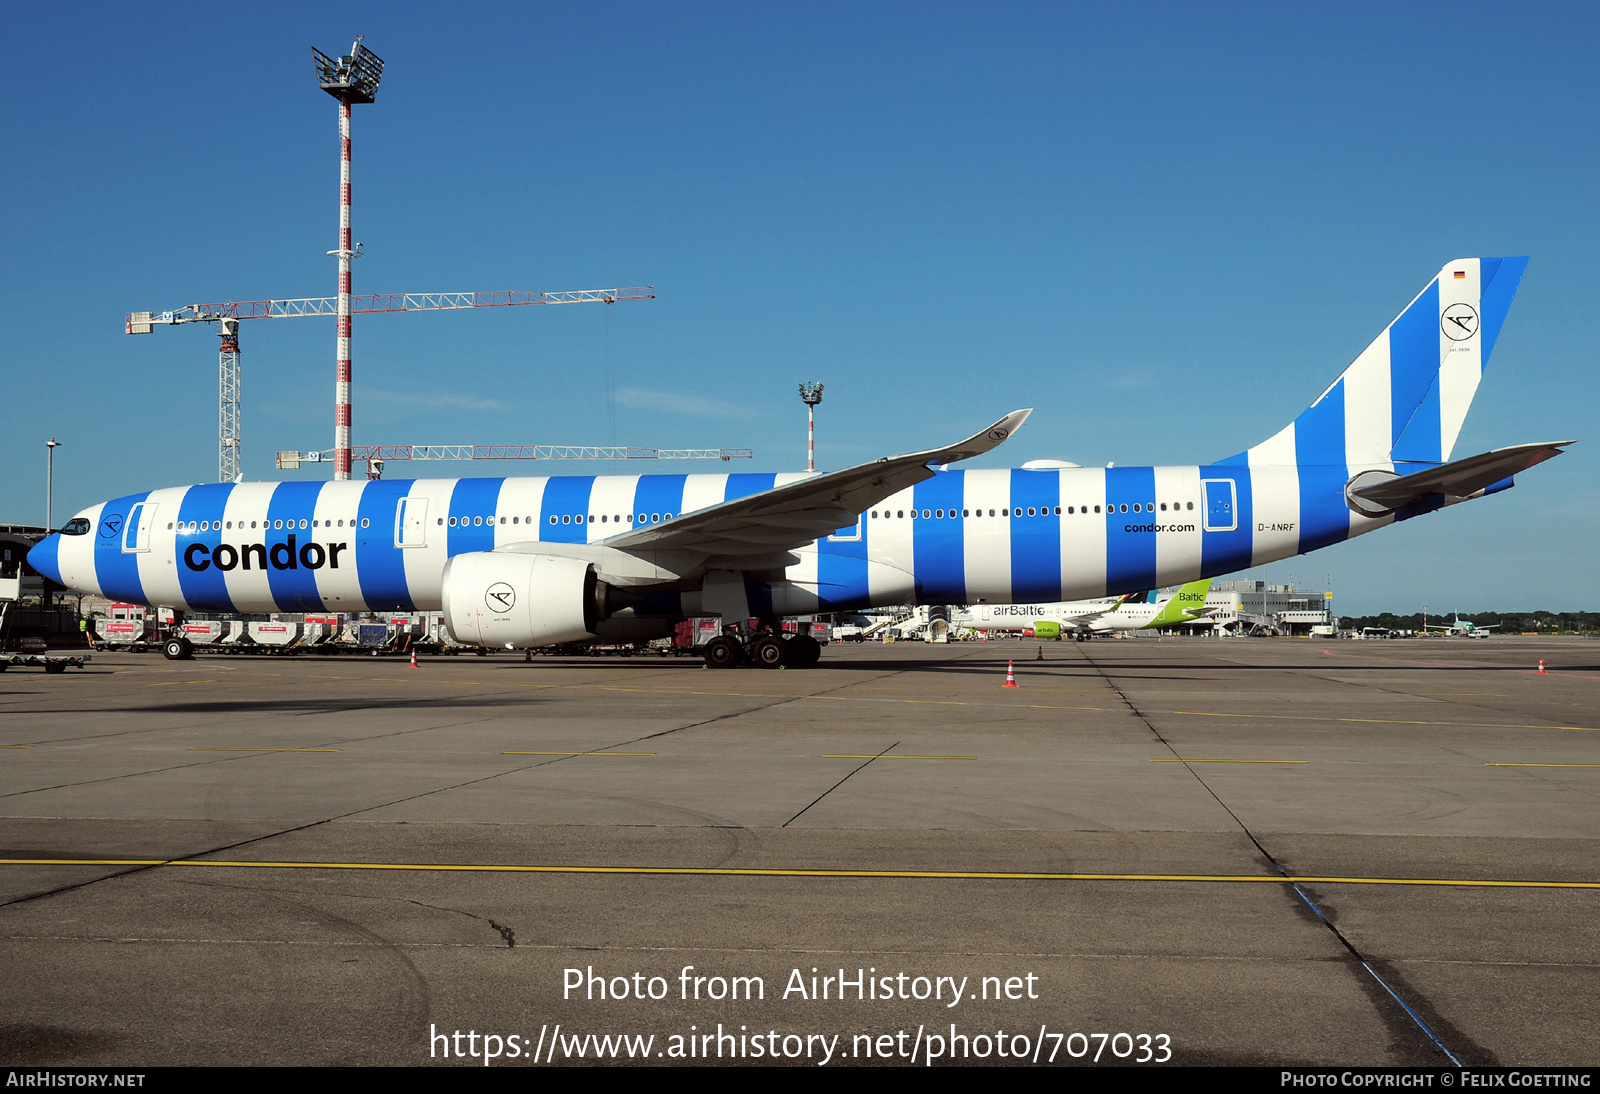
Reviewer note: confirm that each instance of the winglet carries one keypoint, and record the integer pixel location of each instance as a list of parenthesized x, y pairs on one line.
[(976, 445)]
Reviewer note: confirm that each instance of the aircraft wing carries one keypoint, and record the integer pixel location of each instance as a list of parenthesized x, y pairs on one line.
[(793, 515), (1460, 478), (1088, 620)]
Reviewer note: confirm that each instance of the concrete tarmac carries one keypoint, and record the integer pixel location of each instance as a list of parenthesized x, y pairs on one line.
[(1253, 851)]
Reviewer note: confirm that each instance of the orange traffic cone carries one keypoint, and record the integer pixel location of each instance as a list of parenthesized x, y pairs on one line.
[(1541, 668), (1041, 654), (1011, 676), (413, 658)]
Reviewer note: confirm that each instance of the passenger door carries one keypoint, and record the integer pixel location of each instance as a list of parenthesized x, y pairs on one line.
[(1222, 511), (136, 532), (411, 522)]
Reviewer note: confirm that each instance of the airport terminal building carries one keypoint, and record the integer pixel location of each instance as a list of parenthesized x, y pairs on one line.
[(1245, 607)]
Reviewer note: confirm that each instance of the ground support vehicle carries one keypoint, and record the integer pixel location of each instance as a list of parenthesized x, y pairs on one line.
[(690, 636), (50, 664), (122, 634)]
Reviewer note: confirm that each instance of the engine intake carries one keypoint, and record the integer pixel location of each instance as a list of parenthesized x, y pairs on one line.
[(521, 599)]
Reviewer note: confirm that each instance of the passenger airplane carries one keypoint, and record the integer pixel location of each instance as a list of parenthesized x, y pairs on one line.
[(1462, 628), (525, 562), (1082, 618)]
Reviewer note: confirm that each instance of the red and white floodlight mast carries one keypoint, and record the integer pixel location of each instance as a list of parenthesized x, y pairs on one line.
[(341, 392), (350, 79), (811, 395)]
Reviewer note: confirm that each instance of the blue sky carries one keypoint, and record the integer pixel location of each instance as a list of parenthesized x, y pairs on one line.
[(1166, 227)]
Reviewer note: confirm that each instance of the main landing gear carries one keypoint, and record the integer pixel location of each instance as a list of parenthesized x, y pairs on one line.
[(768, 650), (724, 653)]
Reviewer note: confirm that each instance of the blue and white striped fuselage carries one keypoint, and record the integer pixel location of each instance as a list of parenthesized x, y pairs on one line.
[(957, 537), (996, 536)]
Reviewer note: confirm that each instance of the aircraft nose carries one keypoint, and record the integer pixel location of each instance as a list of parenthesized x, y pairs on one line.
[(44, 557)]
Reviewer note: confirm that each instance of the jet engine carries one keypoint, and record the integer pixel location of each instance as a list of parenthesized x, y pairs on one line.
[(521, 599)]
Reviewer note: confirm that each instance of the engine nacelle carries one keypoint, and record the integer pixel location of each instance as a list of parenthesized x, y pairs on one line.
[(521, 599)]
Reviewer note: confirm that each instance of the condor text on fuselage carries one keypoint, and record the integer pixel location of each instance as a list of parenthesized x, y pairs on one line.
[(312, 555)]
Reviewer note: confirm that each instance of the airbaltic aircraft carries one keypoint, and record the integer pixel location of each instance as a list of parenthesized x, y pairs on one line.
[(1082, 618), (525, 562), (1462, 628)]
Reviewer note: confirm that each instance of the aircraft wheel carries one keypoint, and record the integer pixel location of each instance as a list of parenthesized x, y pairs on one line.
[(173, 649), (770, 652), (723, 653), (804, 651)]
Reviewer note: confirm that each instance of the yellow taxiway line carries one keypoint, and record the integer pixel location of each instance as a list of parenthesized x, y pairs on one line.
[(1374, 721), (931, 875), (577, 753), (888, 756), (264, 750), (1192, 760)]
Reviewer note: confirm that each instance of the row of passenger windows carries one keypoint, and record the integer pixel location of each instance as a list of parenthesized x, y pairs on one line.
[(656, 518), (214, 525), (210, 525), (478, 522), (1031, 511)]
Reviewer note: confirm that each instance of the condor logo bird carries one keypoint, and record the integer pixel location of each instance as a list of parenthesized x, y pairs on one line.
[(500, 597)]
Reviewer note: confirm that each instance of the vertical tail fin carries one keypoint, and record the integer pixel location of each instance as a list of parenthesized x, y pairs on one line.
[(1403, 400), (1183, 605)]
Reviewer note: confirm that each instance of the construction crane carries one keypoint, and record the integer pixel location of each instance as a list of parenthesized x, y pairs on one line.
[(230, 314), (374, 456)]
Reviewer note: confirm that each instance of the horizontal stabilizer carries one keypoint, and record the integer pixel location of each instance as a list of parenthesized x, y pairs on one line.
[(1378, 492)]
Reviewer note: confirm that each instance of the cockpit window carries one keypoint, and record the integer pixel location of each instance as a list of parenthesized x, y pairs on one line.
[(77, 526)]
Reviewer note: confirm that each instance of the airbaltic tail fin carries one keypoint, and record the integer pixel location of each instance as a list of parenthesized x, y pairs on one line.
[(1404, 399), (1182, 606)]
